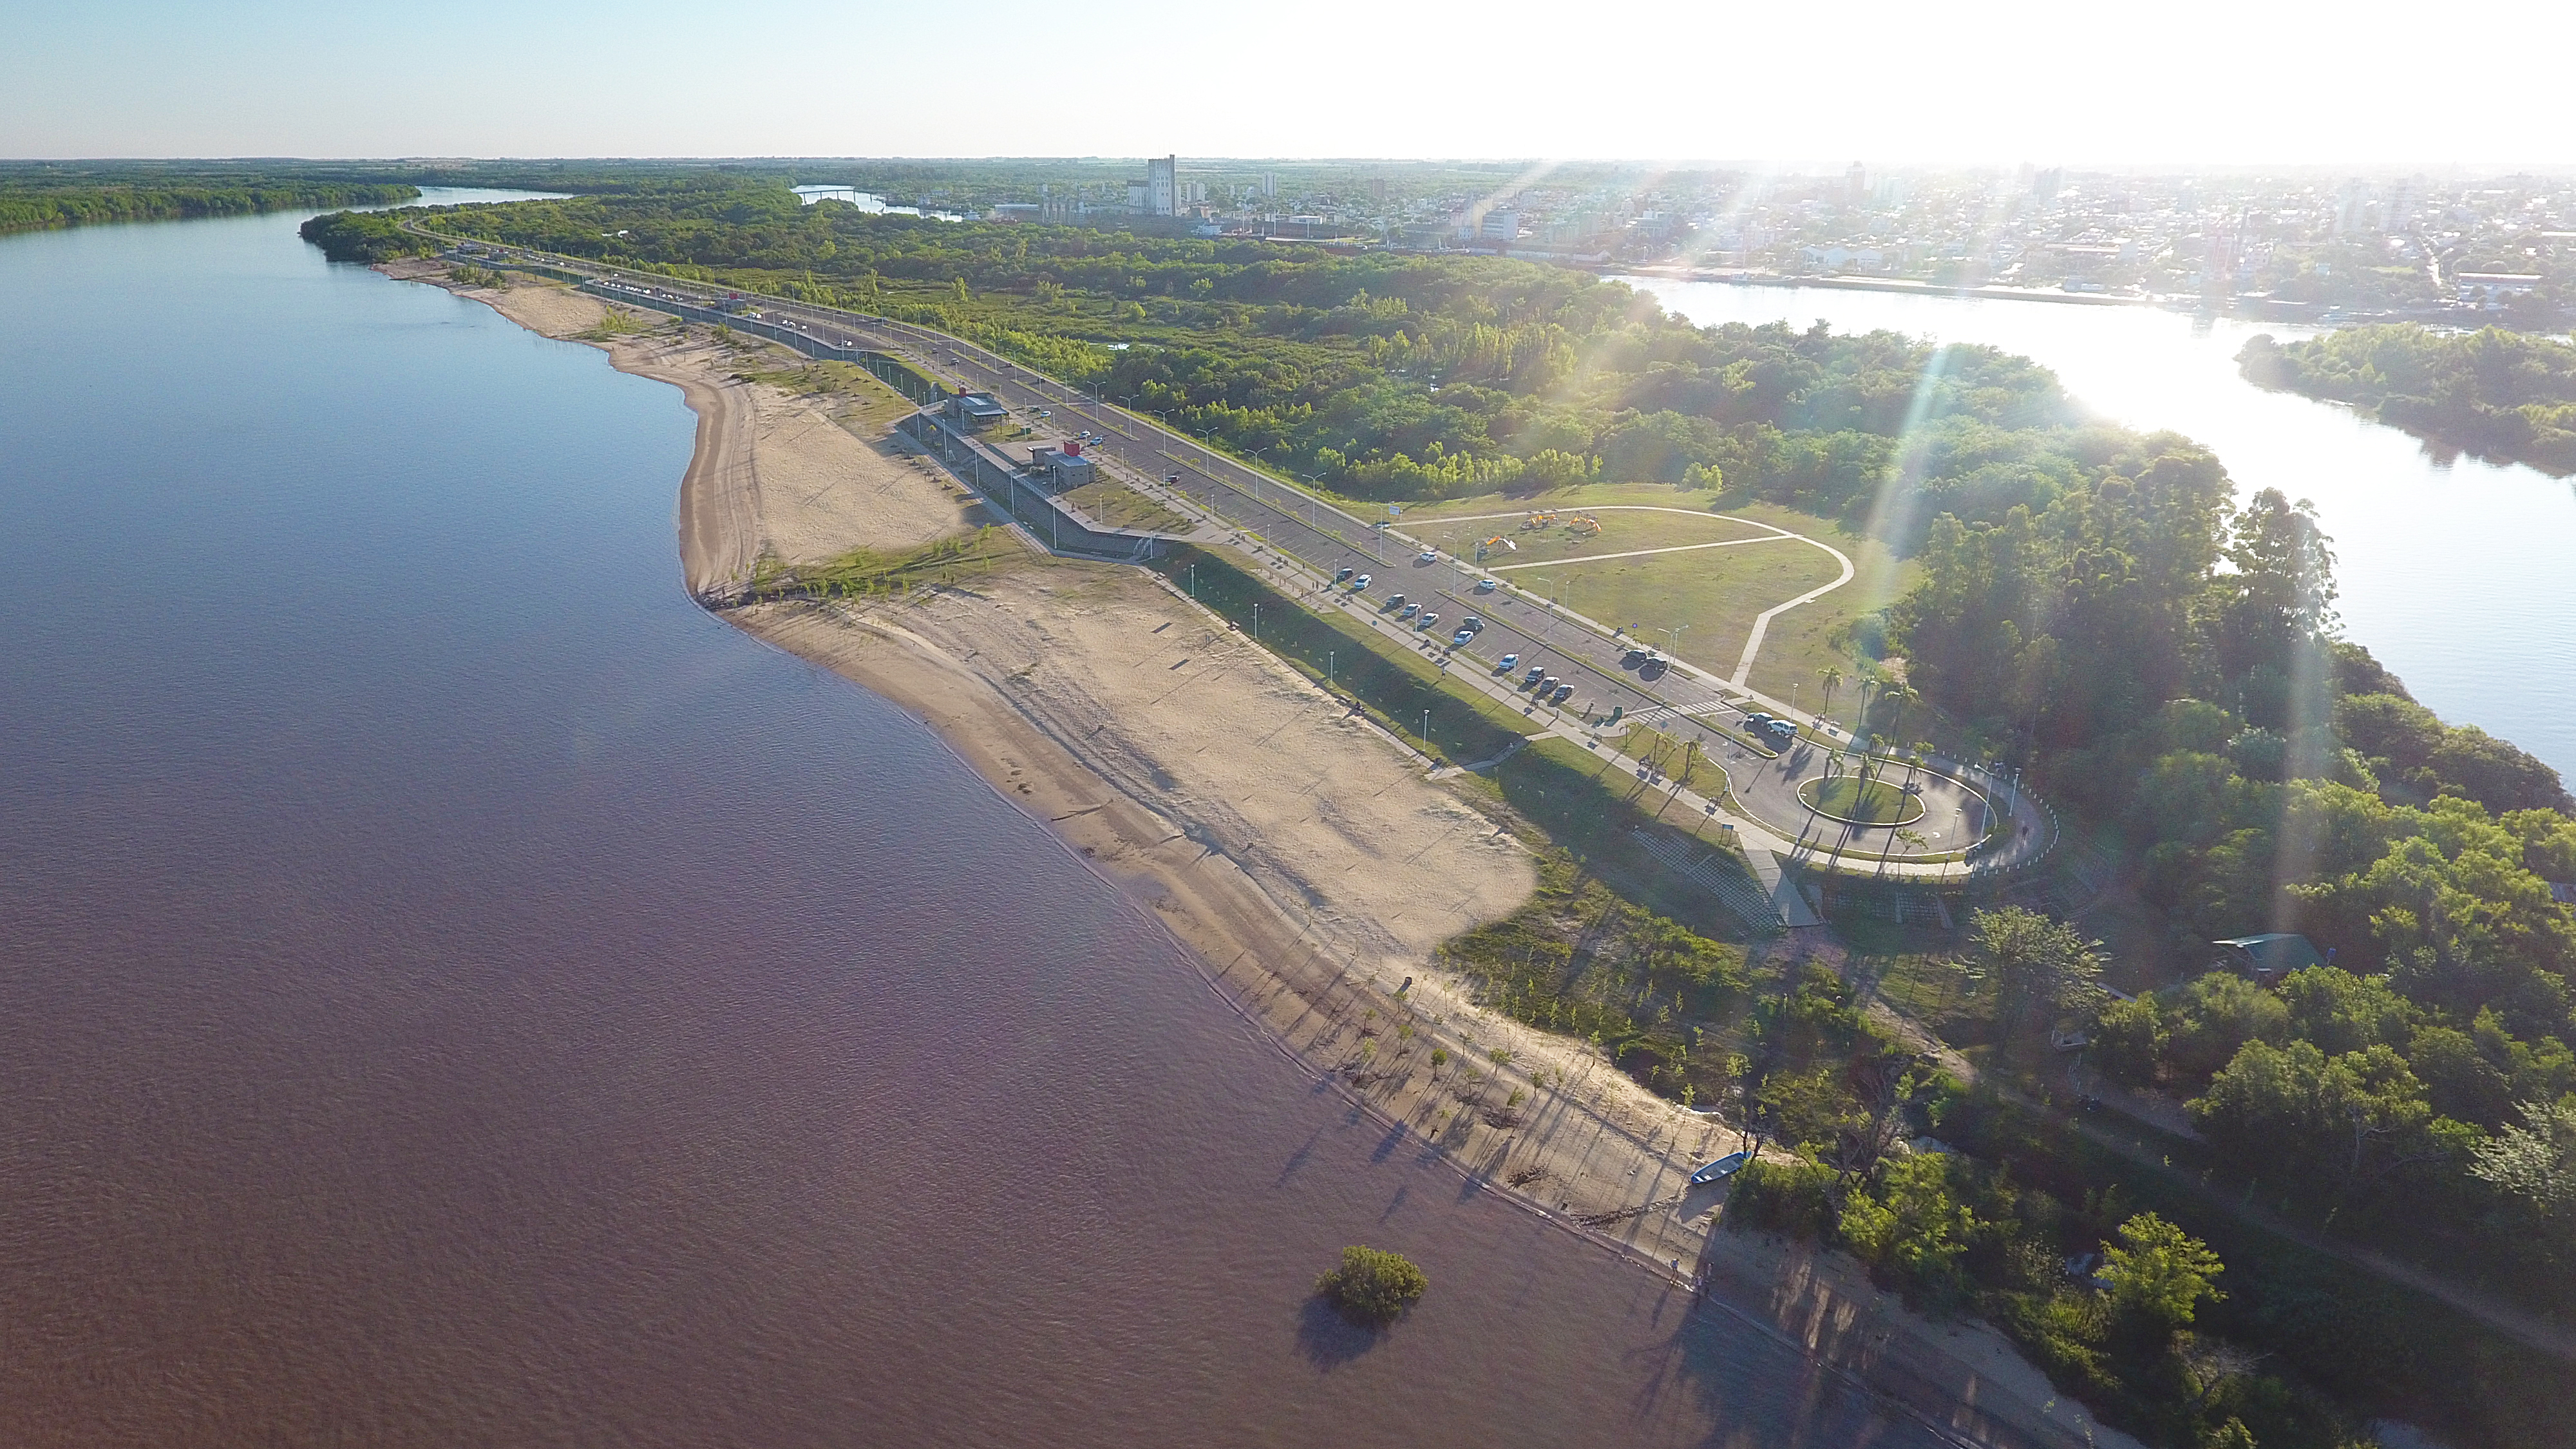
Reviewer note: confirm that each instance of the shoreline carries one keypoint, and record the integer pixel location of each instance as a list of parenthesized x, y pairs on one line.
[(1229, 878)]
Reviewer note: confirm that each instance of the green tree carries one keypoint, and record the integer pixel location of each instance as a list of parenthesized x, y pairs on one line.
[(1912, 1226), (2533, 1163), (2032, 960), (1372, 1286), (2159, 1274)]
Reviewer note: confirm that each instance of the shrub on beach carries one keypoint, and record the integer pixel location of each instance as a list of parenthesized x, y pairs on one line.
[(1792, 1197), (1372, 1287)]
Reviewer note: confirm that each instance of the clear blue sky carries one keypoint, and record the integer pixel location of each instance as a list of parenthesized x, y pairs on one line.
[(2245, 82)]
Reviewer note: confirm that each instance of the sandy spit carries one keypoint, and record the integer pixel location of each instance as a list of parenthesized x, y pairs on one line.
[(1305, 858)]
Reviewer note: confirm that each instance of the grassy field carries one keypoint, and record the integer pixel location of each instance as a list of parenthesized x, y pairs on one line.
[(1621, 531), (1847, 797), (1698, 605), (1803, 642)]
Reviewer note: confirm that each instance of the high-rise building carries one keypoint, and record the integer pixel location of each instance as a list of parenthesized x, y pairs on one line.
[(1163, 186)]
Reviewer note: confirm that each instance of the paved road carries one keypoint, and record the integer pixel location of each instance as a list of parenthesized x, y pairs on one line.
[(1308, 541)]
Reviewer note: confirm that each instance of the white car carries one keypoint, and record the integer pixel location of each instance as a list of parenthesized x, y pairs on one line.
[(1427, 556), (1359, 583)]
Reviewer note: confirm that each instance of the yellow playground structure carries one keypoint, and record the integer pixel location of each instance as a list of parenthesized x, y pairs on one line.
[(1583, 525), (1494, 544), (1538, 520)]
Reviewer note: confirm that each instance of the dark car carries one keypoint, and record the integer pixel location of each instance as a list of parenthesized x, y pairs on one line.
[(1564, 692)]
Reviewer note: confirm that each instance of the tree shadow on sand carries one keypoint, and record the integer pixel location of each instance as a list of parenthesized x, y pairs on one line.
[(1327, 1339)]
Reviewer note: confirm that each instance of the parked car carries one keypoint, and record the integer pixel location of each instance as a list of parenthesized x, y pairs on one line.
[(1345, 573), (1548, 684), (1632, 658), (1533, 677), (1471, 623), (1408, 611), (1427, 556), (1460, 638), (1564, 692), (1359, 583), (1427, 621), (1504, 664), (1488, 585)]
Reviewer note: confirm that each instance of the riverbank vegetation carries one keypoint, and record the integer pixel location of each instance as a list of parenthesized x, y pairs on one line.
[(36, 203), (2506, 396)]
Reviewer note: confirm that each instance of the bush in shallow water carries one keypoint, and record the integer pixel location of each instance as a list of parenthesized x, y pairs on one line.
[(1372, 1287)]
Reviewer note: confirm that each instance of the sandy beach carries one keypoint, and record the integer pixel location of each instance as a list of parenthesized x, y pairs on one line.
[(1307, 859)]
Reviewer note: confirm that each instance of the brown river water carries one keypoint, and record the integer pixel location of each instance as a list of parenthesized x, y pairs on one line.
[(453, 991)]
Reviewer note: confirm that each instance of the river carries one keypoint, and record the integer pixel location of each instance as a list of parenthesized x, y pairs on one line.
[(2452, 571), (456, 991)]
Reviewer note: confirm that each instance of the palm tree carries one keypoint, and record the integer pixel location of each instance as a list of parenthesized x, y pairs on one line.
[(1833, 678), (1896, 697)]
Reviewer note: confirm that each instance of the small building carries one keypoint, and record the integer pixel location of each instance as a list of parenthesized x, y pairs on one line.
[(1062, 465), (2267, 957), (976, 409)]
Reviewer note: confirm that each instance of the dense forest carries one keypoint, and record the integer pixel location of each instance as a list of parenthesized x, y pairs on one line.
[(2096, 604), (2494, 394)]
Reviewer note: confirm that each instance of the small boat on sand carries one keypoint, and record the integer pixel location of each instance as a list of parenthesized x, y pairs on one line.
[(1720, 1170)]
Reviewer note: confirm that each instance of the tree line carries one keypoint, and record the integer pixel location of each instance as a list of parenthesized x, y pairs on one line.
[(2508, 396), (26, 207)]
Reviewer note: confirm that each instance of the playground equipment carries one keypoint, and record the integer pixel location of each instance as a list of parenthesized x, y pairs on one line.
[(1583, 525), (1538, 520), (1496, 542)]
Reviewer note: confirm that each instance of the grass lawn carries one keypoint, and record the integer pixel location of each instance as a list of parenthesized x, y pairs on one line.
[(1847, 797), (1802, 642), (1697, 606), (1716, 592), (1622, 531)]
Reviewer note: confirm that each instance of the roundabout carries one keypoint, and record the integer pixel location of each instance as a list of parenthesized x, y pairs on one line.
[(1854, 801)]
